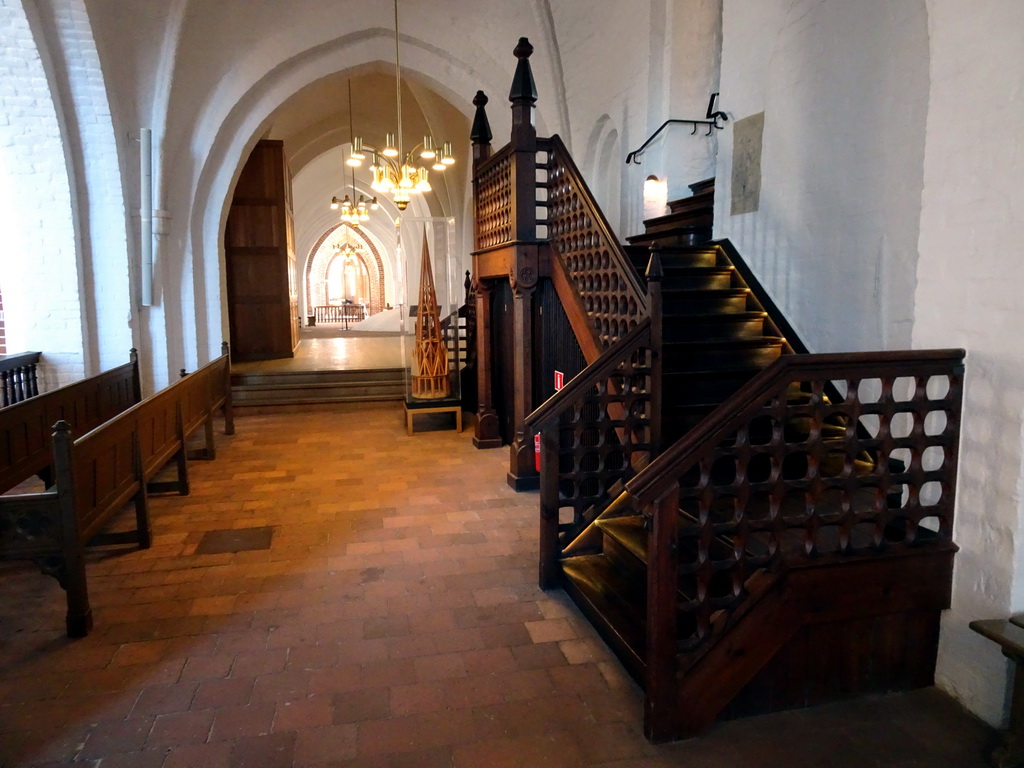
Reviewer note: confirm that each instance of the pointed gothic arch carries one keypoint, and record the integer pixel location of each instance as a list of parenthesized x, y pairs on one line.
[(319, 263)]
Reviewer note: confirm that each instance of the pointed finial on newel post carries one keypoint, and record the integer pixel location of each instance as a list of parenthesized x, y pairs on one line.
[(480, 133), (523, 96)]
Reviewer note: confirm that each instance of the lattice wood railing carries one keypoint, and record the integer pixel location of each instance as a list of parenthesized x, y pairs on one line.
[(492, 199), (594, 259), (597, 432), (782, 474)]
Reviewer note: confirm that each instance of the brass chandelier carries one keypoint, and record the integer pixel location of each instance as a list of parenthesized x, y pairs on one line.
[(396, 174), (352, 212)]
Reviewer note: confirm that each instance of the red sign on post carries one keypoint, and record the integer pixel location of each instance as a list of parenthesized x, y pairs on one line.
[(559, 380), (536, 451)]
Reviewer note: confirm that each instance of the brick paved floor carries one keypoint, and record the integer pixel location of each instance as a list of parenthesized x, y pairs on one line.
[(394, 622)]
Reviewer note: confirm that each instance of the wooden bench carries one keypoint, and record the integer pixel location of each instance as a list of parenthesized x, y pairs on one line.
[(99, 473), (1009, 635), (25, 427)]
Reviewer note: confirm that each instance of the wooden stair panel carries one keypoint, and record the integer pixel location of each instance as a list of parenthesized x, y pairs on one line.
[(840, 599), (614, 603)]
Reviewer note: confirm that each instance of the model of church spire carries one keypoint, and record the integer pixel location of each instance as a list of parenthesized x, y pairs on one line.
[(430, 355)]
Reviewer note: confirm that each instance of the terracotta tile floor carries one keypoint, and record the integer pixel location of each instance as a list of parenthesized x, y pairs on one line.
[(394, 621)]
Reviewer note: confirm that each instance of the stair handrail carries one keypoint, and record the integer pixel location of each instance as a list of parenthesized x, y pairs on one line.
[(717, 424), (548, 412), (680, 480), (624, 424)]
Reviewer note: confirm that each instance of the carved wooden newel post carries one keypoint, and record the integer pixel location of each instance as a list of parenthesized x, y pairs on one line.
[(487, 434), (526, 261)]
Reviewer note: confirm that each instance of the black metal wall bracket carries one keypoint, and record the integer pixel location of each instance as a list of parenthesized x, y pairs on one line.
[(711, 120)]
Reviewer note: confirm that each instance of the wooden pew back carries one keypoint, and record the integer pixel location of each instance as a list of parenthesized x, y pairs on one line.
[(25, 427)]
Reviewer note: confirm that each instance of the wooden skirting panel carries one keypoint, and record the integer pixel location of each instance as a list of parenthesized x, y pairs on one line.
[(822, 633)]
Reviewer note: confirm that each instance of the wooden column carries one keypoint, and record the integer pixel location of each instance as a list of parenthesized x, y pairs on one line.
[(526, 264), (522, 472), (487, 434)]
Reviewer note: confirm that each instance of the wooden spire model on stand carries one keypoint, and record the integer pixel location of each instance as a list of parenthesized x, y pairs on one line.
[(430, 355)]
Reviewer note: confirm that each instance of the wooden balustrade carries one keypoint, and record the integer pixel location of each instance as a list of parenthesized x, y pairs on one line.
[(18, 377), (596, 432), (595, 261), (787, 474), (340, 313), (493, 200)]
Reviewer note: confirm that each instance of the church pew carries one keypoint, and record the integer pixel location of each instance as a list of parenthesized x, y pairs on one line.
[(208, 389), (100, 472), (25, 448)]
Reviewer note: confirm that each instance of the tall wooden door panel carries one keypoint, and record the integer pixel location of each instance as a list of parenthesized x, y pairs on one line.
[(260, 260)]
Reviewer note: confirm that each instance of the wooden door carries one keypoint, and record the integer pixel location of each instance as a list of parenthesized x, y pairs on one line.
[(260, 259)]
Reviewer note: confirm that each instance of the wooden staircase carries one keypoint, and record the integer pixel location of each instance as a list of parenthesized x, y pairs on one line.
[(789, 572), (751, 527)]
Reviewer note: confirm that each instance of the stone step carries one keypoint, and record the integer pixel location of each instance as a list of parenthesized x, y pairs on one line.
[(305, 387)]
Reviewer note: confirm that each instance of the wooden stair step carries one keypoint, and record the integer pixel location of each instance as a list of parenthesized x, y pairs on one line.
[(713, 326), (673, 256), (697, 278), (698, 213), (676, 235), (628, 532), (686, 301), (754, 351), (614, 603)]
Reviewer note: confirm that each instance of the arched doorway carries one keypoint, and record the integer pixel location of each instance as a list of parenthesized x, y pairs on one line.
[(345, 266)]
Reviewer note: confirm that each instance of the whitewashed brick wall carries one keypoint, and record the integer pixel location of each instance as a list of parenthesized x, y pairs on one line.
[(39, 268), (100, 199)]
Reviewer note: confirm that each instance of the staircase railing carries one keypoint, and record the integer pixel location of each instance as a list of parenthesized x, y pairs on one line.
[(788, 475), (18, 377), (596, 432), (595, 261)]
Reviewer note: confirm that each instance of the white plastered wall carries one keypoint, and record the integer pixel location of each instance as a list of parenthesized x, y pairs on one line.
[(844, 89), (886, 222), (969, 279)]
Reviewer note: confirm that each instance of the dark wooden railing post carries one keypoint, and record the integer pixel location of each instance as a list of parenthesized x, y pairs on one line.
[(133, 358), (480, 135), (487, 434), (228, 407), (550, 549), (654, 308), (526, 261), (662, 596), (522, 474)]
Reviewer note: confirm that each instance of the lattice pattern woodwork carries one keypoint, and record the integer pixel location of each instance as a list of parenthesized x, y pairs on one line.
[(603, 435), (594, 260), (870, 469), (493, 201)]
